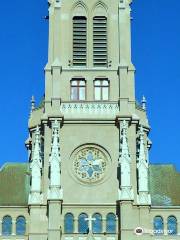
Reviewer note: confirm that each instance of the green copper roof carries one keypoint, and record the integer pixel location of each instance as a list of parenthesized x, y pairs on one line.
[(164, 185), (14, 184)]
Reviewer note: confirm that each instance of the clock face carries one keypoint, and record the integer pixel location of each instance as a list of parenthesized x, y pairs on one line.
[(90, 164)]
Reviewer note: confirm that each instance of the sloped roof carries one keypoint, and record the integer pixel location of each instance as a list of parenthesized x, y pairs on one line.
[(164, 185), (14, 184)]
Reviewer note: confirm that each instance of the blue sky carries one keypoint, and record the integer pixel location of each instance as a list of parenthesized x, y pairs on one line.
[(155, 53)]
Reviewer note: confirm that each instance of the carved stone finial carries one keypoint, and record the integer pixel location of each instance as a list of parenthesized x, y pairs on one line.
[(55, 190), (144, 102), (125, 3), (125, 191), (56, 3), (32, 104), (128, 1), (36, 166)]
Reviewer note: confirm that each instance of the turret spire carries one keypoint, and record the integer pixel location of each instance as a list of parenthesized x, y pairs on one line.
[(35, 166), (32, 104), (125, 192), (143, 197), (55, 191)]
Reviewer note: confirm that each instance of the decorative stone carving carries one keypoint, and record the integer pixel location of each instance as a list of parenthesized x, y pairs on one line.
[(144, 196), (36, 166), (55, 190), (90, 109), (126, 191), (90, 164), (144, 102), (32, 104)]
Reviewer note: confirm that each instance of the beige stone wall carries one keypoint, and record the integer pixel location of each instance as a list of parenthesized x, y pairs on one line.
[(133, 217), (14, 213)]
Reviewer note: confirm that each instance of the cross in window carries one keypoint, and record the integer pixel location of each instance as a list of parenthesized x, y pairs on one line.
[(90, 219)]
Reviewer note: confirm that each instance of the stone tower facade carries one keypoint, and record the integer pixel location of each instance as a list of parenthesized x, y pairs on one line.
[(93, 134), (88, 140)]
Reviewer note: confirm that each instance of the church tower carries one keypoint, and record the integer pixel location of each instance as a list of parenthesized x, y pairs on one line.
[(88, 144)]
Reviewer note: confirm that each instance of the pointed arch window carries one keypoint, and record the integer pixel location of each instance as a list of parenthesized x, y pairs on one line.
[(7, 226), (69, 223), (97, 223), (101, 89), (79, 41), (158, 225), (172, 225), (78, 89), (83, 223), (111, 223), (20, 225), (100, 57)]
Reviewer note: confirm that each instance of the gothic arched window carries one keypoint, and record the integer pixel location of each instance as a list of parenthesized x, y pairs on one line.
[(7, 225), (158, 225), (78, 89), (111, 223), (172, 225), (20, 225), (97, 223), (69, 223), (83, 223)]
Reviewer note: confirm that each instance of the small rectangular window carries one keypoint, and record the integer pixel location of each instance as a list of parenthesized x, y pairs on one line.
[(79, 41), (78, 90), (101, 90), (100, 58)]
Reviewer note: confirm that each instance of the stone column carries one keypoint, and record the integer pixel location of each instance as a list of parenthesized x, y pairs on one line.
[(104, 224), (13, 227), (76, 224), (165, 226), (0, 227)]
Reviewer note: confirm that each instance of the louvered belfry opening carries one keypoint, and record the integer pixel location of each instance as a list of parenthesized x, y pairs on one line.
[(79, 41), (100, 41)]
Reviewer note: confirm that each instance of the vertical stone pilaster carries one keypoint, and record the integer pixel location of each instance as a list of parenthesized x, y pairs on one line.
[(48, 88), (124, 32), (51, 33), (55, 220)]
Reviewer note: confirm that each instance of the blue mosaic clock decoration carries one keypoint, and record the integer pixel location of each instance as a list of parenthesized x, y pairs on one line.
[(90, 164)]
